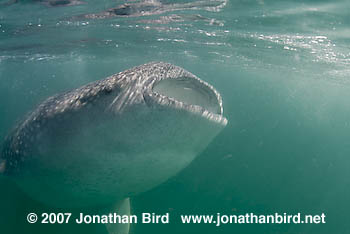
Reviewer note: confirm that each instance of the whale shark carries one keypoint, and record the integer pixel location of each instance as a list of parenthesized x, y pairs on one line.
[(155, 7), (109, 140)]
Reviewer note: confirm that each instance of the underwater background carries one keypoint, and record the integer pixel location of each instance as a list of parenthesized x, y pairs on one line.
[(282, 68)]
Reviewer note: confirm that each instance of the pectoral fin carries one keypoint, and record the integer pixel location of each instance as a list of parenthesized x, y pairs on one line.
[(121, 208)]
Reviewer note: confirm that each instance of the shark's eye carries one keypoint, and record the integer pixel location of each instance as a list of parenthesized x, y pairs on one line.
[(189, 91)]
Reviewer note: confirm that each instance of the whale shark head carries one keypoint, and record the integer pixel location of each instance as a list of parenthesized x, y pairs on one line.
[(113, 138)]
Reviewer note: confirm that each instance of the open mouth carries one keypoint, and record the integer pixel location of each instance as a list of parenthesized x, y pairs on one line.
[(191, 94)]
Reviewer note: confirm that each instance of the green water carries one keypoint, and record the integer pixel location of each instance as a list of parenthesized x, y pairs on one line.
[(281, 67)]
